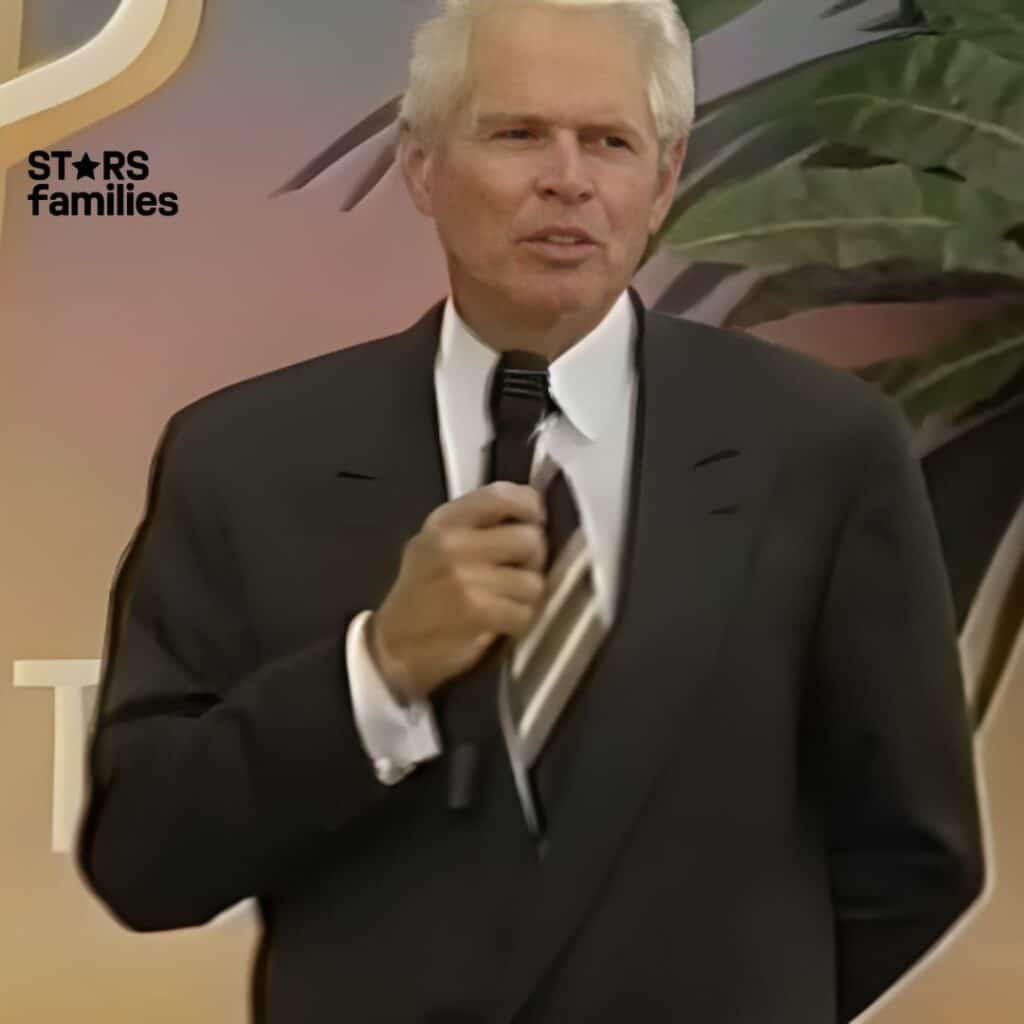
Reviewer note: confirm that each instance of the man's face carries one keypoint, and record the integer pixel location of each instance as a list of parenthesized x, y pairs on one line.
[(563, 137)]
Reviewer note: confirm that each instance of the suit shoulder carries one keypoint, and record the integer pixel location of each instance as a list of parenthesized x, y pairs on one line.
[(288, 384), (784, 383), (301, 395)]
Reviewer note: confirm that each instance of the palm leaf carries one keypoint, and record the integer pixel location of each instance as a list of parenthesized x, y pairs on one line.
[(959, 374), (693, 285), (819, 286), (704, 16), (1007, 45), (754, 128), (791, 215), (842, 7), (974, 15), (907, 16), (376, 124), (894, 21), (908, 9), (923, 100), (931, 102)]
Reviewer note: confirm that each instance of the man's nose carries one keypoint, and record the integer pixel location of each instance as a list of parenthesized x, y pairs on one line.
[(565, 174)]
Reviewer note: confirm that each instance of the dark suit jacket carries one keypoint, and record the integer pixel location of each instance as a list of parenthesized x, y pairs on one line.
[(761, 803)]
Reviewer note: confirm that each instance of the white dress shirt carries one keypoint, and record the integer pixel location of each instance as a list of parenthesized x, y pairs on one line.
[(594, 384)]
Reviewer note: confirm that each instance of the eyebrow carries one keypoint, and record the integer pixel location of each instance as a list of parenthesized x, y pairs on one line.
[(494, 120)]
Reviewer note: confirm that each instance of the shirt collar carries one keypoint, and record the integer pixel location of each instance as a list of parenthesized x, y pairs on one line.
[(587, 380)]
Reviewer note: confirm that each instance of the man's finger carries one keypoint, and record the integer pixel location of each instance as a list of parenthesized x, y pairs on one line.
[(511, 543), (511, 582), (490, 505)]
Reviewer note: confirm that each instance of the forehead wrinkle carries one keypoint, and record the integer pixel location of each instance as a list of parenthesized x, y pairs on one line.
[(482, 119), (498, 116)]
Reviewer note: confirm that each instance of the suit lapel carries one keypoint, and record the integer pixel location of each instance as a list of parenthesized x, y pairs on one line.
[(699, 479), (392, 469)]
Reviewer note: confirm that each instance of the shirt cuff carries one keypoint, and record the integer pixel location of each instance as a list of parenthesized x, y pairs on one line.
[(394, 737)]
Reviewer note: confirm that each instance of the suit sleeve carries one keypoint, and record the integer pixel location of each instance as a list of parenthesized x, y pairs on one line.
[(209, 775), (892, 749)]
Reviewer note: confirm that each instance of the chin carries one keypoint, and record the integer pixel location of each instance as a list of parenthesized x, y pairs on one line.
[(564, 297)]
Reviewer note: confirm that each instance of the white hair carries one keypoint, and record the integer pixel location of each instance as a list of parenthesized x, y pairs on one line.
[(439, 71)]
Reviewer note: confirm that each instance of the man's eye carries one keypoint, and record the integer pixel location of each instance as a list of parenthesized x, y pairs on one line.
[(517, 133), (617, 141)]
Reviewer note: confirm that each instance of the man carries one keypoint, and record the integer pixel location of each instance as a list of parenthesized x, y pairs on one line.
[(760, 803)]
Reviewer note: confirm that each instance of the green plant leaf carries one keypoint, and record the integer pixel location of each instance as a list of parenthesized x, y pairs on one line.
[(1008, 45), (818, 286), (860, 97), (703, 16), (959, 374), (752, 129), (791, 215), (729, 119), (842, 7), (907, 16), (974, 15), (933, 102), (756, 151)]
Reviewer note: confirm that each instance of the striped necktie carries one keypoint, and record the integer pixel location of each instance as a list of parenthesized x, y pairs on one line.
[(519, 400), (541, 670)]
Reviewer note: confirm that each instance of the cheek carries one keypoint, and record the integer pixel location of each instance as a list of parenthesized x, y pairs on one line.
[(481, 212), (478, 234), (629, 232), (628, 210), (635, 193)]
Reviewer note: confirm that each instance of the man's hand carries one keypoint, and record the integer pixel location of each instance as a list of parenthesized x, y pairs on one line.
[(473, 571)]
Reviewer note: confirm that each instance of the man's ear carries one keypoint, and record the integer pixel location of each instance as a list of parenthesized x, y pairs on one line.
[(667, 183), (417, 164)]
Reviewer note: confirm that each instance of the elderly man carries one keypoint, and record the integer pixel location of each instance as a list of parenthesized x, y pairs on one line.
[(758, 803)]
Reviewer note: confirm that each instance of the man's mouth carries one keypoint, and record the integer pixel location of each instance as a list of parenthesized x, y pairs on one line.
[(561, 240), (561, 235)]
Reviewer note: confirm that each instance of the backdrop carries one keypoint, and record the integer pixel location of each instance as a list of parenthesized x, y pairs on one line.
[(279, 229)]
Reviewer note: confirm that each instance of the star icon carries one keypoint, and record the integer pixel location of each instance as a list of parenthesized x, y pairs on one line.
[(85, 166)]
